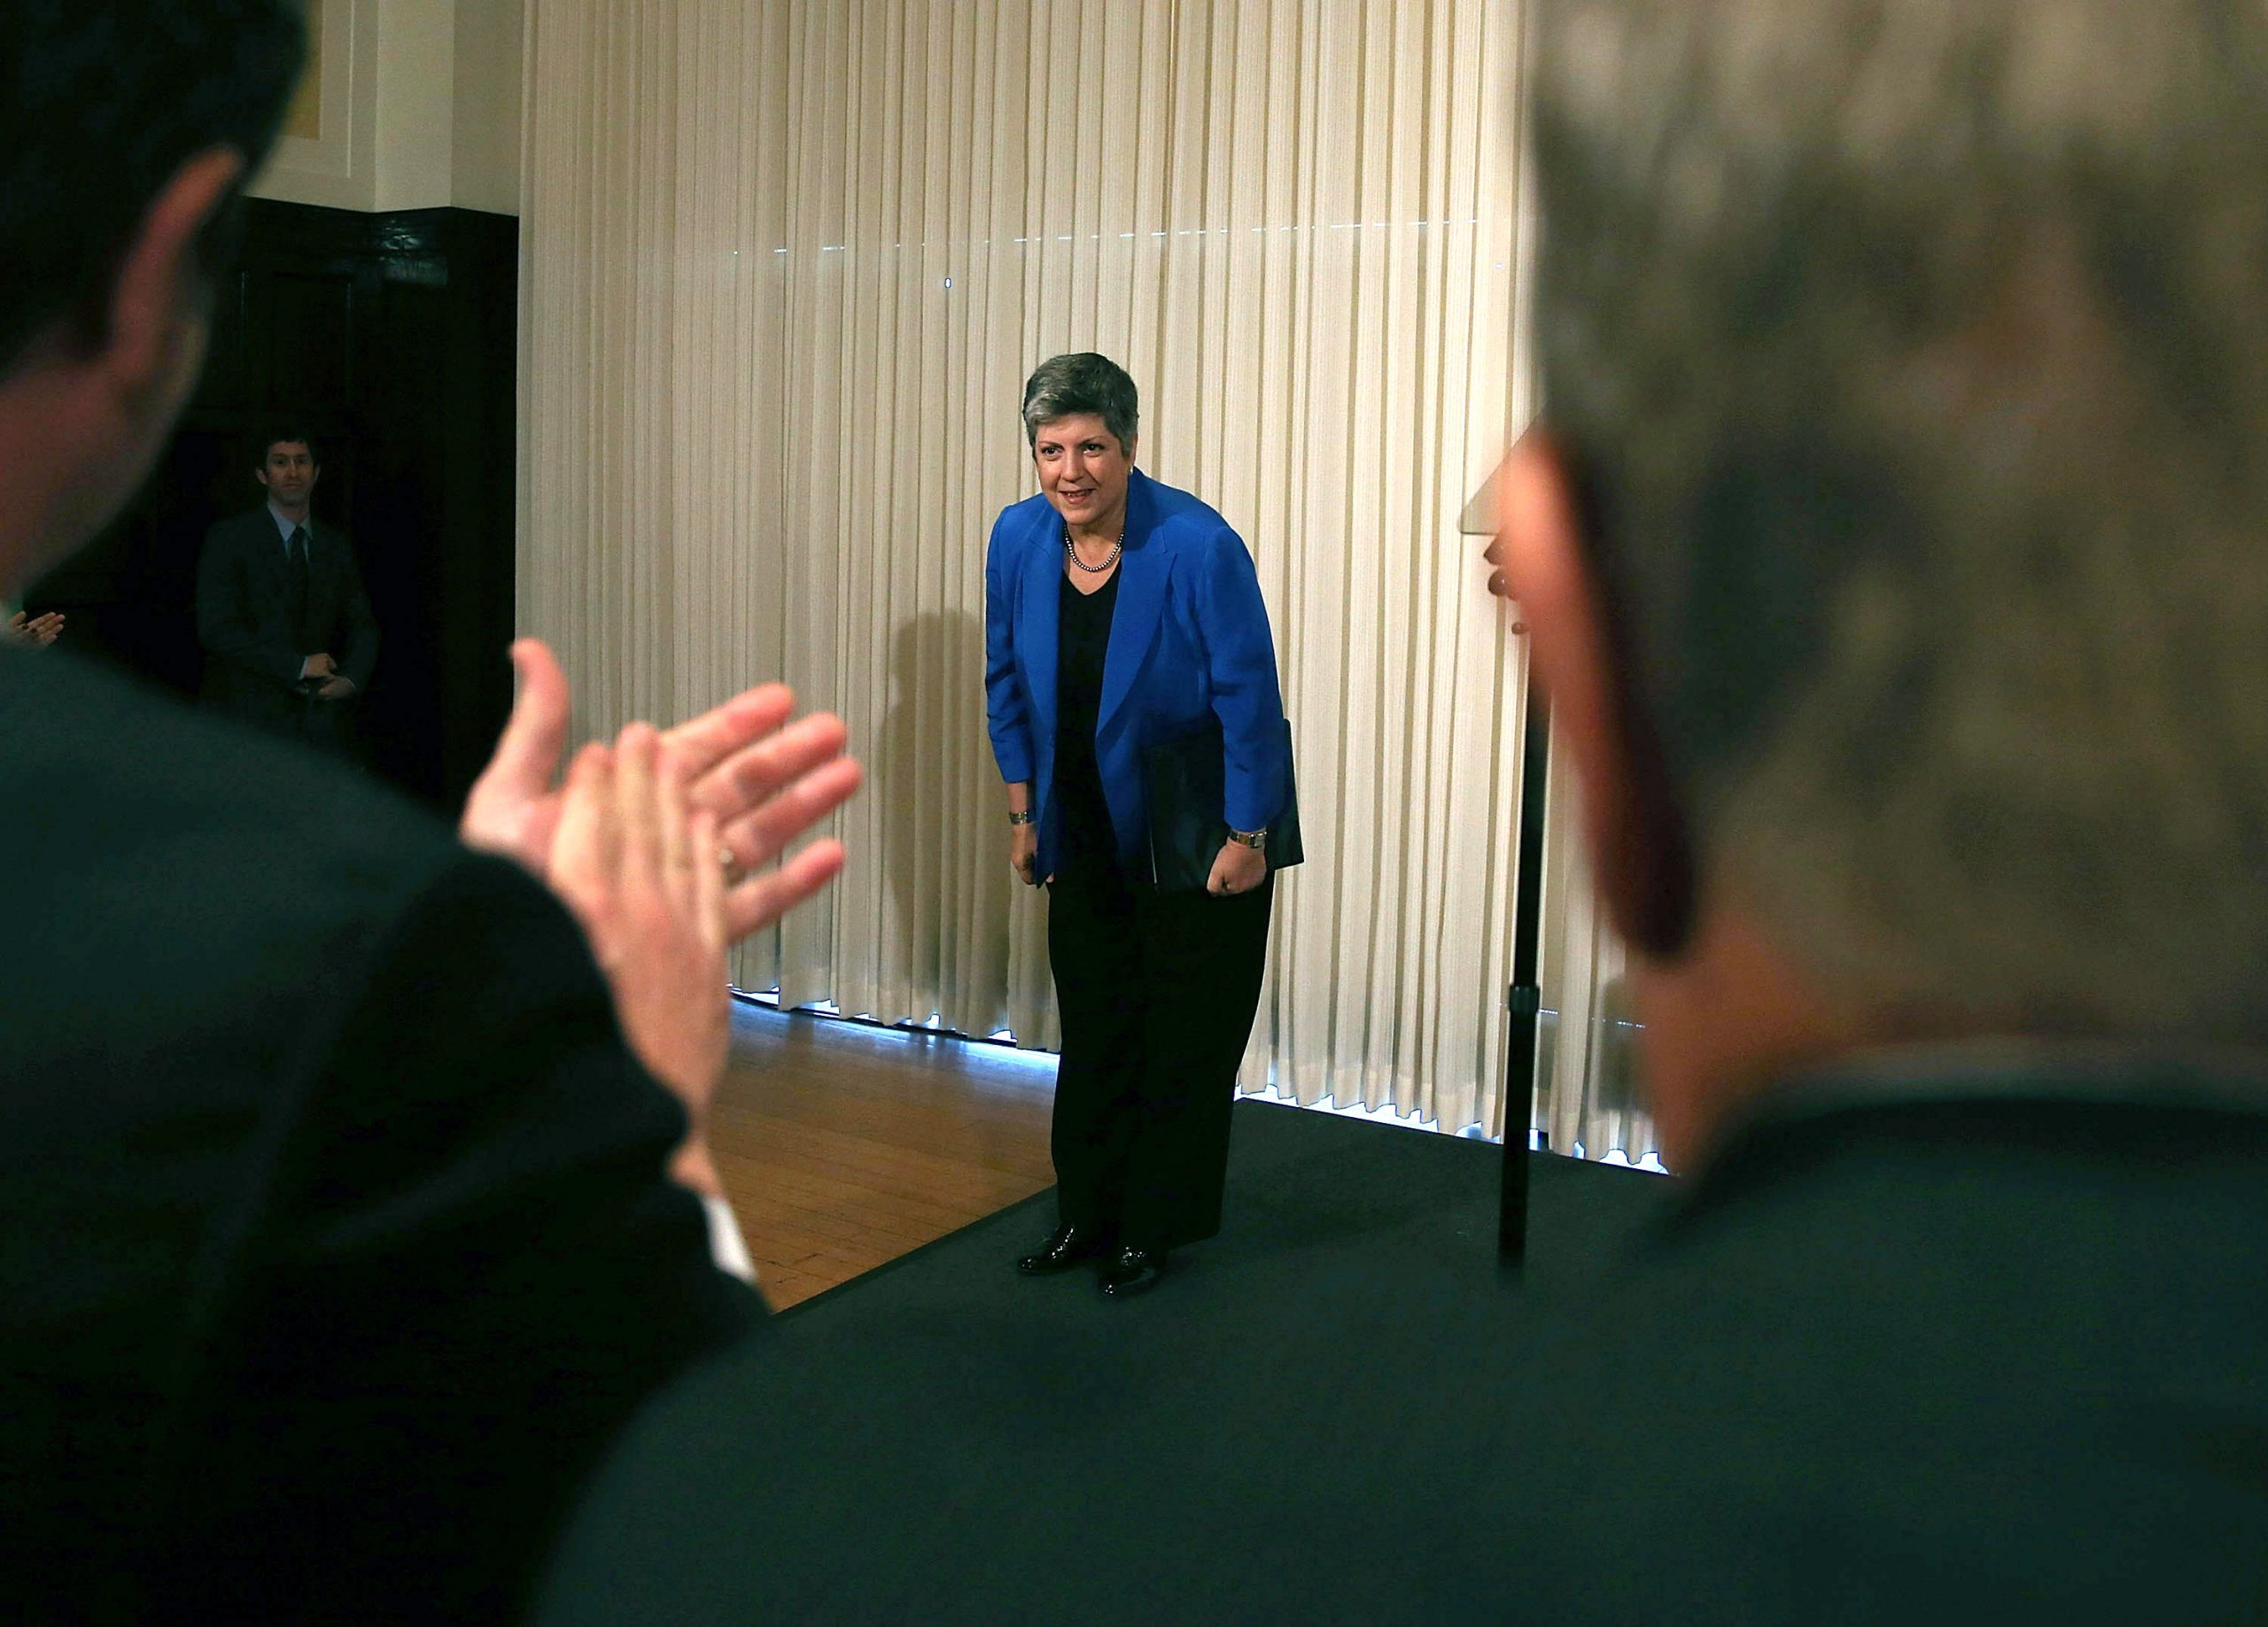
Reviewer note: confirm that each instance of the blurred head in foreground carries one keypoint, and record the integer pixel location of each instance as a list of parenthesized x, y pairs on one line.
[(1894, 533)]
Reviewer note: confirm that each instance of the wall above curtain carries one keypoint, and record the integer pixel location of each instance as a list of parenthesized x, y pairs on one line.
[(405, 105), (786, 268)]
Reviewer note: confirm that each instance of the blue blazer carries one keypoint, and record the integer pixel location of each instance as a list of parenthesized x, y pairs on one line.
[(1189, 643)]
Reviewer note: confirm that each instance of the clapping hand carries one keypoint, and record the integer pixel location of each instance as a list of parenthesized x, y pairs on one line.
[(38, 630), (763, 780), (635, 862)]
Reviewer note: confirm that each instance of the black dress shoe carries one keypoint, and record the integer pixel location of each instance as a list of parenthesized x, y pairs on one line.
[(1133, 1271), (1066, 1247)]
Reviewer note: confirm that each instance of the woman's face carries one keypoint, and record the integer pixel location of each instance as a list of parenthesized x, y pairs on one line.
[(1082, 470)]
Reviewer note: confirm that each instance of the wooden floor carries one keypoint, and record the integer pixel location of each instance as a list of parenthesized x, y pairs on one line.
[(842, 1147)]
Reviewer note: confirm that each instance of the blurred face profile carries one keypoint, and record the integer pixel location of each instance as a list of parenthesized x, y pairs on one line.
[(1082, 470), (289, 472)]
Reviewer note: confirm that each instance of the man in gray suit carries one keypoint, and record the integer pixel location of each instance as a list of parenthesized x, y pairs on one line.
[(286, 626)]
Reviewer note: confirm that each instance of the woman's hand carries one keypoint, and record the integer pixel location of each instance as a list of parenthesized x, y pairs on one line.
[(1238, 869), (639, 866), (1023, 853)]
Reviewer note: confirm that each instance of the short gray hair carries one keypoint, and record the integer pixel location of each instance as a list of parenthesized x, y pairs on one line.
[(1065, 386), (1914, 358)]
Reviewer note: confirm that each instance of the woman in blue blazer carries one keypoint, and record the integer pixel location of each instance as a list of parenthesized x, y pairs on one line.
[(1120, 614)]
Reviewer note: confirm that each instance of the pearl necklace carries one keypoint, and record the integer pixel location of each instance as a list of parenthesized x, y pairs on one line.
[(1116, 548)]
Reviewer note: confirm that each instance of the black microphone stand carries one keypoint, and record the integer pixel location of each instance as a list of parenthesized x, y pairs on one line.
[(1524, 998)]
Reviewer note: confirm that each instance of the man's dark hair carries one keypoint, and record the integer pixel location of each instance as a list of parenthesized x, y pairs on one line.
[(101, 103), (277, 434), (1065, 386)]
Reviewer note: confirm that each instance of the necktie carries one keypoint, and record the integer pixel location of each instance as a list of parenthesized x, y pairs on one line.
[(301, 575)]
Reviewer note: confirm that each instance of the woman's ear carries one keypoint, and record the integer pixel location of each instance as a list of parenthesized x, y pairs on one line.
[(1640, 848)]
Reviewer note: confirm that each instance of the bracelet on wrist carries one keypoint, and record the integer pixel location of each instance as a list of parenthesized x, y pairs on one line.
[(1021, 815)]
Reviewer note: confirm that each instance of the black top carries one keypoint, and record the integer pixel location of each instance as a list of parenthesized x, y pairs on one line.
[(1083, 642), (335, 1235)]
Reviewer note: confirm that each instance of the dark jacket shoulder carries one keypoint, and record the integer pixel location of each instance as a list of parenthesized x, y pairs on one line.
[(1976, 1348), (117, 777), (180, 882)]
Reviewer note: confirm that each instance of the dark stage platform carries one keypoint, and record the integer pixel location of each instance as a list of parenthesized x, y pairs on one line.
[(1267, 1437)]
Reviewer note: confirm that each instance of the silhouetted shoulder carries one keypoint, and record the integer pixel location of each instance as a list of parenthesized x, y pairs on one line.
[(164, 834)]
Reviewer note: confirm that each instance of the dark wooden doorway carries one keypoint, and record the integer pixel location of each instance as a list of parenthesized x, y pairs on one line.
[(393, 339)]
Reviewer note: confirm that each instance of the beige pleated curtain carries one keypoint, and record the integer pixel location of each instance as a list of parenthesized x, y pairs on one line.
[(786, 268)]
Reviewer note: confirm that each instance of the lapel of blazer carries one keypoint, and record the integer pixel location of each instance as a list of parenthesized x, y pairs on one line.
[(1142, 573), (1043, 572)]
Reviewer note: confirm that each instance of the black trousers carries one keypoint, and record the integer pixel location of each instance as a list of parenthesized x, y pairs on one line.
[(1157, 993)]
